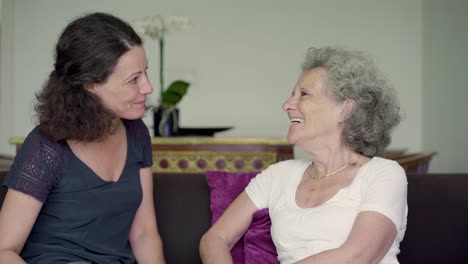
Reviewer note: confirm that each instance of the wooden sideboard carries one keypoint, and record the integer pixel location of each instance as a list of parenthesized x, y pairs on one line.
[(5, 162), (199, 154)]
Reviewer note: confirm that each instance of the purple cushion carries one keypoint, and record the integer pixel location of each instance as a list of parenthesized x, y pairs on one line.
[(256, 244)]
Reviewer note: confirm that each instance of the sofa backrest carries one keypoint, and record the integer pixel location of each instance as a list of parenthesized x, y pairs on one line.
[(437, 229), (182, 203), (436, 233)]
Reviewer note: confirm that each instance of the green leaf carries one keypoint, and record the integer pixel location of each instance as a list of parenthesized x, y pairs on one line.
[(174, 93)]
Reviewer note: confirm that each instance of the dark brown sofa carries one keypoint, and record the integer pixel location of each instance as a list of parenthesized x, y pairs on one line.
[(437, 221)]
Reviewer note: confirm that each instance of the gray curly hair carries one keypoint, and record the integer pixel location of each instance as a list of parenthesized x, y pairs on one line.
[(352, 75)]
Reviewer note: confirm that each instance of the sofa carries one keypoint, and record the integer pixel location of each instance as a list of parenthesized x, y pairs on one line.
[(437, 229)]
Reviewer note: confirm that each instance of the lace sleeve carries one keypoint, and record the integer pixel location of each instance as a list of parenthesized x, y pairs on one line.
[(37, 167)]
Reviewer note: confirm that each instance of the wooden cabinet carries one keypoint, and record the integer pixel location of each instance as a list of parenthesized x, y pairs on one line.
[(199, 154), (5, 162)]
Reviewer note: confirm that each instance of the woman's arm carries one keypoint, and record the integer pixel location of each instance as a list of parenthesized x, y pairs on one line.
[(371, 237), (17, 217), (221, 237), (144, 236)]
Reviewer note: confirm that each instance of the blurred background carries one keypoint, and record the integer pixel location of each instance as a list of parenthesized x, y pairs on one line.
[(243, 57)]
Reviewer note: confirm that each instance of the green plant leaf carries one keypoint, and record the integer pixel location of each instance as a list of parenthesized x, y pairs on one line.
[(174, 93)]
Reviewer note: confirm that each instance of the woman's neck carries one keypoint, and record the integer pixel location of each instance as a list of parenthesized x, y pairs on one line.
[(329, 159)]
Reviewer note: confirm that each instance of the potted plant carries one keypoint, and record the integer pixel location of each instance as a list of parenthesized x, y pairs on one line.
[(165, 113)]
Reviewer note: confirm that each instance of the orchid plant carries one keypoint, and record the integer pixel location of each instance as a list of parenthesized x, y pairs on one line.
[(156, 28)]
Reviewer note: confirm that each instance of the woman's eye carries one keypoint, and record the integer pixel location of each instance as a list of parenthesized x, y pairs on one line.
[(304, 93), (133, 81)]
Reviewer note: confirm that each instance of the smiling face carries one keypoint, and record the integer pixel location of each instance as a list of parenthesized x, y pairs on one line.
[(315, 116), (124, 93)]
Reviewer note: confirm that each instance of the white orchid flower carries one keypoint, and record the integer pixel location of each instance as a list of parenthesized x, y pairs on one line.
[(155, 27), (148, 26), (178, 23)]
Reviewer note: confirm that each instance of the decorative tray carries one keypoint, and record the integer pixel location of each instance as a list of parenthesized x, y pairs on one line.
[(200, 131)]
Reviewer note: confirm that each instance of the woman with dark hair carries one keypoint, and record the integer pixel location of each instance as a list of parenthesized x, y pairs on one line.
[(346, 205), (80, 189)]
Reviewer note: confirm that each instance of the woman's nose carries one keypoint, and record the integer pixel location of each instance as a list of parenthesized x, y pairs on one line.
[(146, 87), (290, 104)]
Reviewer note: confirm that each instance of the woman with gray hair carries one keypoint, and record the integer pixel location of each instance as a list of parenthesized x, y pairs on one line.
[(346, 205)]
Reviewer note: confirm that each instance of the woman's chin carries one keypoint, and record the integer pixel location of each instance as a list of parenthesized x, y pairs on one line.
[(292, 139)]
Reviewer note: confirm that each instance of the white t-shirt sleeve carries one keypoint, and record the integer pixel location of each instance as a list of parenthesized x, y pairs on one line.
[(270, 184), (386, 192), (259, 189)]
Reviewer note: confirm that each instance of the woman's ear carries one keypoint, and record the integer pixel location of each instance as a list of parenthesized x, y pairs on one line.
[(90, 87), (347, 109)]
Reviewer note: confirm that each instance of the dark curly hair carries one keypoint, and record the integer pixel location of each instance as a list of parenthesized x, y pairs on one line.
[(86, 53), (353, 75)]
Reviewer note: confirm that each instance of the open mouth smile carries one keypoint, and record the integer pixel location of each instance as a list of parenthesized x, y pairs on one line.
[(296, 120)]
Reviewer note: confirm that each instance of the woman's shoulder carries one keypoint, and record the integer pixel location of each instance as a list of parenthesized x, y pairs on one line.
[(140, 141), (38, 165), (381, 168), (293, 163), (288, 166), (381, 163), (36, 140)]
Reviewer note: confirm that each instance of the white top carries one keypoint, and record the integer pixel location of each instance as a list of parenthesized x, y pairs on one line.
[(380, 185)]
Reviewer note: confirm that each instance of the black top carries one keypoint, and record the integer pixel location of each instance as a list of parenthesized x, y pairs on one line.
[(83, 218)]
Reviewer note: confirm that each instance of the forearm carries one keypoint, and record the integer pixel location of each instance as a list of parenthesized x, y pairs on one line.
[(148, 249), (214, 249), (9, 256)]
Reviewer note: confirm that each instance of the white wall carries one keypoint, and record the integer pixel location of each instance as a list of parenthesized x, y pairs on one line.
[(7, 117), (445, 68), (242, 56)]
